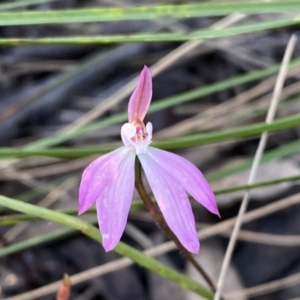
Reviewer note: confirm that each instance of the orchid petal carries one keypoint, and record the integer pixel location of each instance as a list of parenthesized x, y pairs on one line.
[(140, 100), (114, 202), (187, 175), (96, 176), (173, 203)]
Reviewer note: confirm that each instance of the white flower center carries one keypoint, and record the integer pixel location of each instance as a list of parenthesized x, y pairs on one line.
[(136, 136)]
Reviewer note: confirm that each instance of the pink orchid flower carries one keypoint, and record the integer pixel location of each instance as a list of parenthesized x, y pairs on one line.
[(109, 180)]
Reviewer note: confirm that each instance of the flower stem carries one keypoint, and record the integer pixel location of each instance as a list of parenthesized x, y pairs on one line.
[(159, 219)]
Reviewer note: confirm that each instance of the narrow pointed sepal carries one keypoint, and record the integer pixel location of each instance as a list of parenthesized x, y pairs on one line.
[(141, 97)]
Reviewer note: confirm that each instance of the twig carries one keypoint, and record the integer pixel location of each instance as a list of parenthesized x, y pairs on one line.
[(261, 146), (265, 288), (267, 238)]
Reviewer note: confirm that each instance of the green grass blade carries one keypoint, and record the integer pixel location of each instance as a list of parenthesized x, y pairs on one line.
[(36, 241), (16, 219), (178, 143), (235, 133), (145, 12), (280, 152), (248, 187), (122, 249), (152, 37)]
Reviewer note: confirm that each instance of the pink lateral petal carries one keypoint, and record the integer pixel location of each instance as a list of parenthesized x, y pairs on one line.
[(114, 202), (188, 175), (140, 99), (96, 176), (173, 203)]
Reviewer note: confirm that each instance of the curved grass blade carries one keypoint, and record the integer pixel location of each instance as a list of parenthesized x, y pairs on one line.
[(18, 218), (36, 241), (122, 249)]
